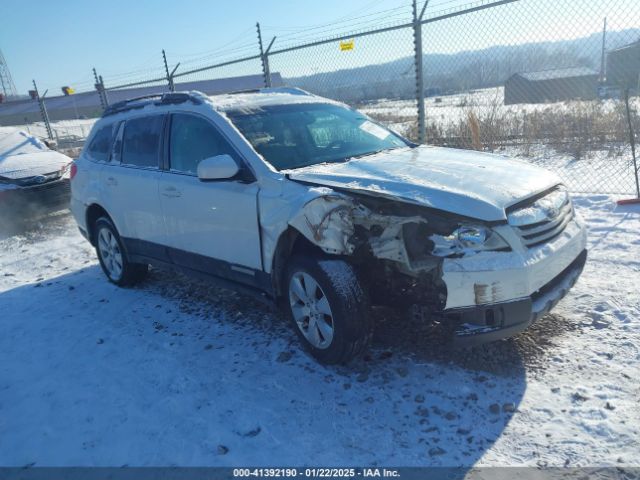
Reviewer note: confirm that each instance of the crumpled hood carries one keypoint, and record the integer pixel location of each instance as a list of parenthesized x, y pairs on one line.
[(22, 155), (463, 182)]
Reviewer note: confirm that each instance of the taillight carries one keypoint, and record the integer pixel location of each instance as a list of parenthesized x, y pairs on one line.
[(73, 170)]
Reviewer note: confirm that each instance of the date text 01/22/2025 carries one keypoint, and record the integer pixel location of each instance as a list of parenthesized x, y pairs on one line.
[(315, 472)]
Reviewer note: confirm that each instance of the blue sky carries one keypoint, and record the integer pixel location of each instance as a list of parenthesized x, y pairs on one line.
[(58, 43)]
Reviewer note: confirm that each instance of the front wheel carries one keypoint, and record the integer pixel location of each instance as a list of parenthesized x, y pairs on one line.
[(329, 308), (113, 258)]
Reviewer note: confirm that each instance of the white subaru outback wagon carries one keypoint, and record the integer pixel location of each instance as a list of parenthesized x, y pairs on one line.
[(306, 201)]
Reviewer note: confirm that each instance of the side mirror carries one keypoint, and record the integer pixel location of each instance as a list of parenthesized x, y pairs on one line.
[(220, 167)]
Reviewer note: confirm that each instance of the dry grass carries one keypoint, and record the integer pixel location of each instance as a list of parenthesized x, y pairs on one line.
[(474, 127), (573, 127)]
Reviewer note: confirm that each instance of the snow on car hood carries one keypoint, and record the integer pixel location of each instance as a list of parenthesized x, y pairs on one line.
[(23, 155), (464, 182)]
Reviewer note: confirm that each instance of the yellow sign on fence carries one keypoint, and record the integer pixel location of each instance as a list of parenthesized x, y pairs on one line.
[(348, 45)]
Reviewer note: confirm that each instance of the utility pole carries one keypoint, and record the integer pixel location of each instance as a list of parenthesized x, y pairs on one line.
[(43, 110), (6, 82), (603, 64), (264, 56), (417, 40)]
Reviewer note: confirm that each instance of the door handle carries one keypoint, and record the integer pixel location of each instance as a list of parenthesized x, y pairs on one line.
[(111, 181), (171, 192)]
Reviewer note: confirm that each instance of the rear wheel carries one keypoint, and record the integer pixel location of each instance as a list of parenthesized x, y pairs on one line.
[(113, 257), (328, 308)]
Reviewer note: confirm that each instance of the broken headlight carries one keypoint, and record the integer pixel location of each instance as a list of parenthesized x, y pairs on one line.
[(471, 237), (468, 239)]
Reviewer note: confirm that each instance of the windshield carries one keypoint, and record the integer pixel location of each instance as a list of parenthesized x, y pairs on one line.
[(303, 134)]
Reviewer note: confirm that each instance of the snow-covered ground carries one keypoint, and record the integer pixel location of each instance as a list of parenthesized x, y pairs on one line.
[(444, 110), (176, 372), (61, 129), (605, 169)]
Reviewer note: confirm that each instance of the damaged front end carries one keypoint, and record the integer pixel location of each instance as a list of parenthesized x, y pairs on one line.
[(478, 279), (399, 247), (443, 228)]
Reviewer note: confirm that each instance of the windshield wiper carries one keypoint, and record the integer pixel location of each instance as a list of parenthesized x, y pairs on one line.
[(344, 159), (375, 152)]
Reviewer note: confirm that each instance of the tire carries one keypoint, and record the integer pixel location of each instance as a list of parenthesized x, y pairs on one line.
[(113, 257), (329, 308)]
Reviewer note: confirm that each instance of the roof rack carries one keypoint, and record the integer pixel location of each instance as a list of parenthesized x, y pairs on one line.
[(140, 102)]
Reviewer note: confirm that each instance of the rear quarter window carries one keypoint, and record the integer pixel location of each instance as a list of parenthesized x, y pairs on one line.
[(100, 146), (141, 141)]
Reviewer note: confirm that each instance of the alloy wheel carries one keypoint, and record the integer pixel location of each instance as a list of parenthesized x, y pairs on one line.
[(311, 310), (110, 253)]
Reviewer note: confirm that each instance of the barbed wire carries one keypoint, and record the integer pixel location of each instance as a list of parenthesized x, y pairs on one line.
[(206, 53), (404, 10), (296, 36), (222, 54)]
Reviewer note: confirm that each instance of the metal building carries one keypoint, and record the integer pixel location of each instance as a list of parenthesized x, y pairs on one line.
[(551, 86)]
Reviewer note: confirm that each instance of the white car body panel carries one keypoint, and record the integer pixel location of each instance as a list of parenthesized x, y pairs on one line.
[(279, 202), (214, 219), (136, 217), (86, 189)]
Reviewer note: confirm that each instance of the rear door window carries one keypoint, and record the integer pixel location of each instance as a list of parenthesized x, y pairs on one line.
[(141, 141)]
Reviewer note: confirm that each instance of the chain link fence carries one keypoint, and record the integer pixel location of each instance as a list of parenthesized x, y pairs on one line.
[(545, 81), (373, 69), (537, 86)]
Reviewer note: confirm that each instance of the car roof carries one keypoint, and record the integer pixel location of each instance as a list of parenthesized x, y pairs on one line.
[(244, 101), (256, 99)]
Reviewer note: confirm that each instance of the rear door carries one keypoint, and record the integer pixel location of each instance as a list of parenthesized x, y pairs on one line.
[(211, 226), (131, 180)]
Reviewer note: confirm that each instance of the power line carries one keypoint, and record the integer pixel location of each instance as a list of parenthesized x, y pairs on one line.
[(353, 28), (206, 53), (310, 39), (219, 54), (346, 18), (325, 26)]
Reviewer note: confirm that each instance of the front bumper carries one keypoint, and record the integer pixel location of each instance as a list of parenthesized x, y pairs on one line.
[(34, 201), (498, 294), (486, 323), (495, 277)]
